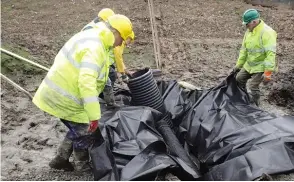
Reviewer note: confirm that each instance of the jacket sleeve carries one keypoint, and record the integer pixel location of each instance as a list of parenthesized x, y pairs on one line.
[(243, 54), (87, 83), (269, 40), (118, 57)]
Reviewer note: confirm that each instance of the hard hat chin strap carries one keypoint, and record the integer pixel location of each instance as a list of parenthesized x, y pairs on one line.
[(110, 27)]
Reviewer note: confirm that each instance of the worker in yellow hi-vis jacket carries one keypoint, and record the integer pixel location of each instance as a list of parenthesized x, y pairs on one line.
[(257, 55), (71, 88), (116, 55)]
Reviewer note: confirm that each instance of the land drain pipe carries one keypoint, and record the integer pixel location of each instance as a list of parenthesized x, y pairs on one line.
[(177, 149), (146, 93)]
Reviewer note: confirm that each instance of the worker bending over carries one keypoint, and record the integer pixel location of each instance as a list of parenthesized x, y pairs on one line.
[(71, 88), (116, 55)]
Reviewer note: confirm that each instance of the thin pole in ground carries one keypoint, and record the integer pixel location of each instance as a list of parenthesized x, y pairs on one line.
[(156, 43)]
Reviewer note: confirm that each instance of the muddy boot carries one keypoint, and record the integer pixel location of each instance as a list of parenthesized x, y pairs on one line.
[(61, 160), (255, 97), (264, 177), (81, 159)]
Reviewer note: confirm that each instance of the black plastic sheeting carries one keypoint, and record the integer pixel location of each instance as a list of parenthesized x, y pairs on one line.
[(232, 139)]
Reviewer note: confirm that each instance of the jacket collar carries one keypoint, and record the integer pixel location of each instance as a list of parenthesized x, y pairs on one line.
[(259, 27), (105, 35)]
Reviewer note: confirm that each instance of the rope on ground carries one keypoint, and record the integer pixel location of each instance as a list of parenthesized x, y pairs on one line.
[(156, 44)]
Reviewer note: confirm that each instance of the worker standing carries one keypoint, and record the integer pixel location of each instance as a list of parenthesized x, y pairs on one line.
[(257, 55), (71, 88), (116, 56)]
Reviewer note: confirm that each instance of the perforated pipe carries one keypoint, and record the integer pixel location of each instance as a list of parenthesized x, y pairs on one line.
[(145, 91)]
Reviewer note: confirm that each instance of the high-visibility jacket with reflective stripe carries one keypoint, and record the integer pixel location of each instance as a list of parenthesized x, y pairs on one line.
[(71, 88), (116, 56), (258, 51)]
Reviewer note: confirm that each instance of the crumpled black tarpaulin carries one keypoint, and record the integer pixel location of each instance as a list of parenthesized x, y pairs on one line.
[(232, 139)]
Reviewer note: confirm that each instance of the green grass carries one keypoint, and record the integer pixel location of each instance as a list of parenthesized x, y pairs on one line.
[(13, 65)]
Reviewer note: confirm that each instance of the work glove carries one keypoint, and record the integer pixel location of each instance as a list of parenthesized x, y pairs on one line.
[(125, 78), (267, 76), (93, 126)]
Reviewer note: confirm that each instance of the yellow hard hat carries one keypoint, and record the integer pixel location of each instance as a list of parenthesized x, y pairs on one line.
[(130, 39), (105, 13), (122, 24)]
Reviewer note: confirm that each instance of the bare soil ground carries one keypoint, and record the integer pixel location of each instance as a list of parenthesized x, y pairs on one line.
[(200, 41)]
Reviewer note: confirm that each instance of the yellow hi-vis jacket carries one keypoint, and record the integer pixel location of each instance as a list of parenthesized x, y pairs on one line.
[(116, 56), (258, 51), (71, 88)]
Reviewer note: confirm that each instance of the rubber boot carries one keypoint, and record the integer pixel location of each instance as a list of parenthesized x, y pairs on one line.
[(61, 160), (81, 160), (255, 97)]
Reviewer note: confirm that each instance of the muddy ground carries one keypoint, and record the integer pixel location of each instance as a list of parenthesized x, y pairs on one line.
[(199, 44)]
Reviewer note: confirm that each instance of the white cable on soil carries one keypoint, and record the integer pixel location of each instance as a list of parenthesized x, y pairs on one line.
[(23, 59), (17, 86)]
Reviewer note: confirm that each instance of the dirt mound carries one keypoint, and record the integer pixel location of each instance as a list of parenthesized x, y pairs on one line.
[(272, 3), (282, 92)]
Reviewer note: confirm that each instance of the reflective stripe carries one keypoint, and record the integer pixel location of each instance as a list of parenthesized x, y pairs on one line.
[(102, 75), (271, 48), (253, 63), (260, 38), (69, 53), (69, 57), (268, 63), (61, 91), (255, 50), (91, 99), (243, 48), (91, 66), (108, 83)]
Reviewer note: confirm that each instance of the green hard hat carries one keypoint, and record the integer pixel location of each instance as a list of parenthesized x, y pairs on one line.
[(249, 15)]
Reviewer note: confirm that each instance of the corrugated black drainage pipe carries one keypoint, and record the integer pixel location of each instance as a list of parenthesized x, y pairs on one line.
[(176, 148), (145, 91), (168, 118)]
